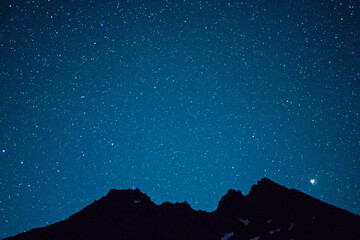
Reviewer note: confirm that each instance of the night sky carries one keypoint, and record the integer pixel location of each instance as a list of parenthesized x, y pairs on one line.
[(182, 99)]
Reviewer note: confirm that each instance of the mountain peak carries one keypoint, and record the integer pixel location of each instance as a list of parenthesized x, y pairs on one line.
[(114, 192), (269, 211), (268, 192), (126, 197), (126, 193), (264, 186), (266, 181), (229, 202)]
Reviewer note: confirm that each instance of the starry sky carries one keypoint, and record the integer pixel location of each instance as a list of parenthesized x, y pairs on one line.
[(182, 99)]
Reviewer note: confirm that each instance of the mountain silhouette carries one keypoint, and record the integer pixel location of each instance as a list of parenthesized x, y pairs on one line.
[(269, 211)]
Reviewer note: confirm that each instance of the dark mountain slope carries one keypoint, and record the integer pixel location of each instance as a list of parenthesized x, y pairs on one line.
[(269, 211), (269, 206)]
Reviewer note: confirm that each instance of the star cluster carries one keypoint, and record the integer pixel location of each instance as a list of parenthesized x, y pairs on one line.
[(183, 99)]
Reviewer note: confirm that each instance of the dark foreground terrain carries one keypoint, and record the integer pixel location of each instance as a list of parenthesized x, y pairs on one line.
[(269, 211)]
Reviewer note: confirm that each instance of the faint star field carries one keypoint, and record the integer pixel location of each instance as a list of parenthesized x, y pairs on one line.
[(182, 99)]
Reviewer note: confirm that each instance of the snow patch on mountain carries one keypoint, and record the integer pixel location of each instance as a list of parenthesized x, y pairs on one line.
[(244, 221), (291, 226), (255, 238), (227, 236)]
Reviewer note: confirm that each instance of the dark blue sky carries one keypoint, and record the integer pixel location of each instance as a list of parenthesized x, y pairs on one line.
[(183, 99)]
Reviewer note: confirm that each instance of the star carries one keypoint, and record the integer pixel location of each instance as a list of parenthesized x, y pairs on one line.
[(313, 181)]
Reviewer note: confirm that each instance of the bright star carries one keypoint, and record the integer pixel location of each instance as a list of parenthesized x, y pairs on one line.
[(313, 181)]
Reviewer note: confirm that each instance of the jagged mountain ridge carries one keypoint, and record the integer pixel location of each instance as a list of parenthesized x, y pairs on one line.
[(269, 211)]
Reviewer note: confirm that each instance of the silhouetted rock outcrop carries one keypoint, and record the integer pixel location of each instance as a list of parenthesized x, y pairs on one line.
[(269, 211)]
